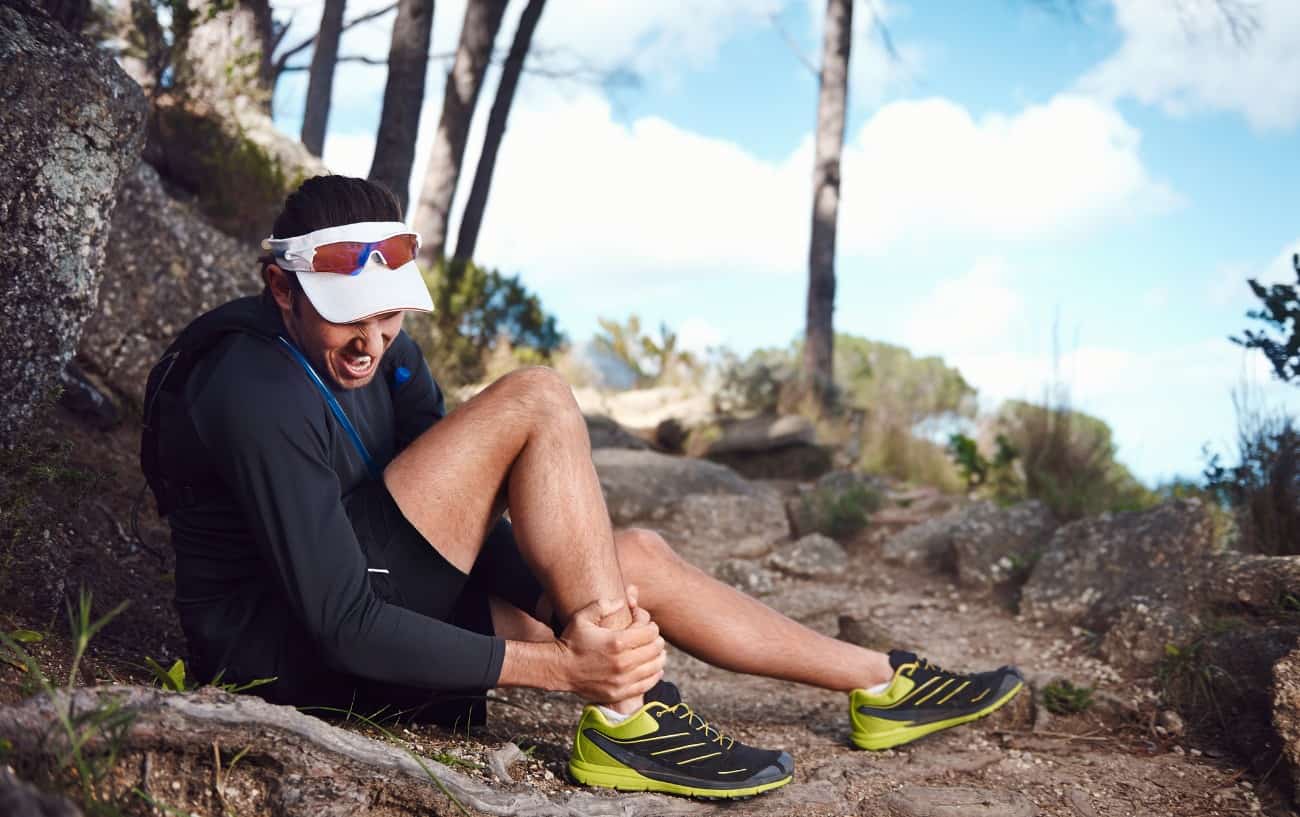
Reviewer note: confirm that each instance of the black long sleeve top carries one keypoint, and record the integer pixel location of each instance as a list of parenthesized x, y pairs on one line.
[(280, 529)]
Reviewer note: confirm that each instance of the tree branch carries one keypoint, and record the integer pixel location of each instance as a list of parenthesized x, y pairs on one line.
[(790, 43), (282, 61)]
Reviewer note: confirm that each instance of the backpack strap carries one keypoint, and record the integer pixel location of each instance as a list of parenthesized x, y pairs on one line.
[(335, 408)]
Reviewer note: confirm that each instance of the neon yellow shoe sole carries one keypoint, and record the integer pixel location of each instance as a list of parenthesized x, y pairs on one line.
[(624, 779), (877, 739)]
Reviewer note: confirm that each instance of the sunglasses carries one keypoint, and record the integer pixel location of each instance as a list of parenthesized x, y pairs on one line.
[(350, 257)]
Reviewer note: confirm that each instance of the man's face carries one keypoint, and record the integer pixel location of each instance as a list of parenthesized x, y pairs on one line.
[(349, 353)]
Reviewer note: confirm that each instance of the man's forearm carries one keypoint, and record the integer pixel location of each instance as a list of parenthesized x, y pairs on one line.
[(533, 664)]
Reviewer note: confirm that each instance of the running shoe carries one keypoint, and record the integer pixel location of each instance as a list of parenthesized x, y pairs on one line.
[(922, 698), (664, 746)]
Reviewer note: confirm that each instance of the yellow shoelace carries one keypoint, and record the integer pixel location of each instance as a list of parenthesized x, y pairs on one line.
[(710, 732)]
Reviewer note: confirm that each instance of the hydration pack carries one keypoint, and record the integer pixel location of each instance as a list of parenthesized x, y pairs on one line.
[(173, 458)]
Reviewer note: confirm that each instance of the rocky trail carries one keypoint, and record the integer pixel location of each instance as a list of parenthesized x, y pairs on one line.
[(909, 580)]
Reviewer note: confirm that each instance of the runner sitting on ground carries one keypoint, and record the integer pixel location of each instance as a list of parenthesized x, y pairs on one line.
[(336, 532)]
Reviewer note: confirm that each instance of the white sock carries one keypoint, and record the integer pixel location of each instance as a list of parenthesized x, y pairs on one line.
[(879, 689), (611, 715)]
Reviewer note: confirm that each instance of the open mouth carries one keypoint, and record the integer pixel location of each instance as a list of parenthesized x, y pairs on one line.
[(357, 366)]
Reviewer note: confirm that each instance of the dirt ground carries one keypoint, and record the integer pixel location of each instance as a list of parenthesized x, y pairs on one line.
[(67, 524)]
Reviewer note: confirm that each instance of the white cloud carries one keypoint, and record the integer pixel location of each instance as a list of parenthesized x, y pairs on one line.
[(1184, 58), (929, 167), (965, 311), (697, 335), (578, 193)]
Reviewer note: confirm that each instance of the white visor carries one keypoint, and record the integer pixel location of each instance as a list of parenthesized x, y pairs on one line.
[(375, 289)]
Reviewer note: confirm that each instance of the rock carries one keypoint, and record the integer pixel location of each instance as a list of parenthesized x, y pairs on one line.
[(865, 632), (235, 164), (764, 447), (708, 529), (670, 435), (1256, 584), (1227, 685), (928, 544), (20, 799), (958, 801), (747, 576), (801, 462), (763, 433), (70, 128), (605, 433), (1172, 722), (1096, 568), (88, 399), (165, 266), (646, 408), (1286, 713), (639, 485), (994, 547), (812, 557), (816, 604), (1139, 632)]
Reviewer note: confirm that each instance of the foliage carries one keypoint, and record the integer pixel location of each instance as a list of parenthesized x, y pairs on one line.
[(651, 361), (1280, 312), (158, 33), (1263, 488), (475, 310), (91, 738), (999, 475), (1068, 460), (177, 679), (1188, 682), (1062, 697), (837, 508), (884, 399)]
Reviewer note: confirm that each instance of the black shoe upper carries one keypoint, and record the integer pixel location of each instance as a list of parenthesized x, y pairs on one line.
[(938, 694), (686, 750)]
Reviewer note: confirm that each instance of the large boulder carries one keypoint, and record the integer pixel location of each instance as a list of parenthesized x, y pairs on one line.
[(709, 528), (1286, 713), (165, 266), (235, 165), (640, 485), (994, 547), (764, 447), (71, 127), (985, 546), (606, 433), (1095, 569)]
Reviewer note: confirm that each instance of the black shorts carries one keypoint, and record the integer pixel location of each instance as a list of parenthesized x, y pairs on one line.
[(406, 570)]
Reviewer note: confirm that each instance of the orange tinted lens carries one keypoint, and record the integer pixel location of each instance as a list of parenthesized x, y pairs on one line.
[(340, 256), (397, 250), (345, 256)]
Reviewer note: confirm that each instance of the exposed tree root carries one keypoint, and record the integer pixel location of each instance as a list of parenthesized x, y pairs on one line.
[(241, 755)]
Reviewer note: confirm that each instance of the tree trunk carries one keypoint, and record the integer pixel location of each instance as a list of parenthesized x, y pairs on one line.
[(228, 56), (320, 82), (482, 19), (399, 120), (819, 335), (472, 219)]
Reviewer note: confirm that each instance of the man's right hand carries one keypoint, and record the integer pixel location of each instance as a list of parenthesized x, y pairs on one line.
[(607, 666)]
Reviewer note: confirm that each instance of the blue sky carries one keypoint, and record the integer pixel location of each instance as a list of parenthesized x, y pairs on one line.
[(1109, 179)]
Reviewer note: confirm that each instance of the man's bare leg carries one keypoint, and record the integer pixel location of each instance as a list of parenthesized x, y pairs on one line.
[(522, 439)]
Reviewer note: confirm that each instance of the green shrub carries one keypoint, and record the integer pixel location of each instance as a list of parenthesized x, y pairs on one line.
[(839, 506), (998, 476), (477, 309), (1068, 460), (651, 361), (1263, 488), (1062, 697)]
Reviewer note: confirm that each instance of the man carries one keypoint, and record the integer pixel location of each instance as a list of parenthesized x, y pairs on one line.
[(336, 532)]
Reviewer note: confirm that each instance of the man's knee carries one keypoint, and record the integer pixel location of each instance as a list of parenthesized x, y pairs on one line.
[(640, 550), (542, 392)]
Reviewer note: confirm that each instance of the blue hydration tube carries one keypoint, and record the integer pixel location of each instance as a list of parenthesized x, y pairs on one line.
[(335, 408)]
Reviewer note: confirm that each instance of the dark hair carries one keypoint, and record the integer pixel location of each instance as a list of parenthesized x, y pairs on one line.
[(328, 201)]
